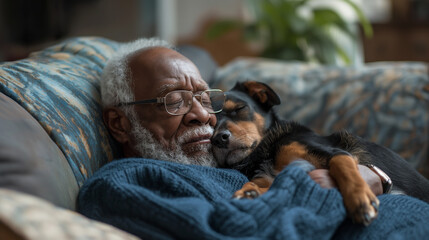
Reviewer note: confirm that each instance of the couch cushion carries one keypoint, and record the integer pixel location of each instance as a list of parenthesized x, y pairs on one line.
[(30, 161), (385, 102), (59, 87)]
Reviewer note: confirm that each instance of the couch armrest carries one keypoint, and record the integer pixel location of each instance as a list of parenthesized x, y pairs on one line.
[(30, 161), (33, 218)]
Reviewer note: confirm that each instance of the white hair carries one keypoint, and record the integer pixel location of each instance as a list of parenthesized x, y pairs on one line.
[(115, 85)]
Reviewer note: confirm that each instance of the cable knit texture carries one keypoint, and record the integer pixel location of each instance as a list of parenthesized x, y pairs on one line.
[(163, 200)]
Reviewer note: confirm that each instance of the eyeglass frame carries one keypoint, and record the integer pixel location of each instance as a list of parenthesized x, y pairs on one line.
[(162, 100)]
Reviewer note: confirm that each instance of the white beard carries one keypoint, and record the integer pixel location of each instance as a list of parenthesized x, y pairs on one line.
[(148, 147)]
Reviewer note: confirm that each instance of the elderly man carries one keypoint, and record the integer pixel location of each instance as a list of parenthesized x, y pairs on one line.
[(157, 106)]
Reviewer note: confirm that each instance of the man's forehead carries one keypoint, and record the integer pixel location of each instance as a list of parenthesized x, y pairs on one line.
[(165, 88), (157, 71)]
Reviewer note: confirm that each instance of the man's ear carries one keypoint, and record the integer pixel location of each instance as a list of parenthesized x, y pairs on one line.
[(117, 123)]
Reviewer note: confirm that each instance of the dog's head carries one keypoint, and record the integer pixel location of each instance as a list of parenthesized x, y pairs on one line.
[(241, 125)]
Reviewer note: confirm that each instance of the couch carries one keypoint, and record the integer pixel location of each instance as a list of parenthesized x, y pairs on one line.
[(52, 136)]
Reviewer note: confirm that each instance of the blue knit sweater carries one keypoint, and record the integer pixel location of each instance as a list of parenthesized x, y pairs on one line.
[(163, 200)]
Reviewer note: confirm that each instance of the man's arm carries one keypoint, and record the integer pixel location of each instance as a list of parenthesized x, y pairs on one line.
[(322, 177)]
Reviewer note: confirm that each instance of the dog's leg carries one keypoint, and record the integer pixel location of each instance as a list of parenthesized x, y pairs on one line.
[(254, 188), (286, 155), (359, 200)]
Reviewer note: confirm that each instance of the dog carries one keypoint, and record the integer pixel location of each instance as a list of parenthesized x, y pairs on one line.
[(250, 136)]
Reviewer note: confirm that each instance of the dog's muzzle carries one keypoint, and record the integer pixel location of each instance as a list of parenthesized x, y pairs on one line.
[(221, 139)]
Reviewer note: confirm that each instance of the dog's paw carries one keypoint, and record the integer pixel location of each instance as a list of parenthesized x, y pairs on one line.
[(365, 214), (250, 194), (362, 206), (250, 191)]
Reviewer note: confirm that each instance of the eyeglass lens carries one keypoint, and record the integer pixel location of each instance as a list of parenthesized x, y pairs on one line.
[(180, 102)]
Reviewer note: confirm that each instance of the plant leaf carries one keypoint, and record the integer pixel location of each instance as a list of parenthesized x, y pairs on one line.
[(325, 17), (222, 27), (251, 32), (366, 25)]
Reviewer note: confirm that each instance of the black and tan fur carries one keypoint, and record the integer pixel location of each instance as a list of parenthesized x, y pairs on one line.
[(250, 137)]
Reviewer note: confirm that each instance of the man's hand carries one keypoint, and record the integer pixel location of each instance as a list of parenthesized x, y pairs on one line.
[(372, 179), (322, 177)]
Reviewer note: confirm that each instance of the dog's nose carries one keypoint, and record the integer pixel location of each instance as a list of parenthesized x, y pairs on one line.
[(221, 139)]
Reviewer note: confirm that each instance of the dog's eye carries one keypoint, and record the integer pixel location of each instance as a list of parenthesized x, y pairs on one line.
[(240, 108), (237, 110)]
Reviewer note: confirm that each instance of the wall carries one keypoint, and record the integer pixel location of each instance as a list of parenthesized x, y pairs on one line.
[(118, 20)]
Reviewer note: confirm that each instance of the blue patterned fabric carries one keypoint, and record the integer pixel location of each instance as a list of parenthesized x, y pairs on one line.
[(166, 200), (384, 102), (59, 86)]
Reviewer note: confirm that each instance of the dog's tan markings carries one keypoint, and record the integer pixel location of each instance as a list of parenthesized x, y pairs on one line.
[(292, 152), (245, 132), (358, 198), (260, 122), (254, 188), (228, 105)]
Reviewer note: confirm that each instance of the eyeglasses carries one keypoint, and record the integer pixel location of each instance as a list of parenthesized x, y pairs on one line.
[(179, 102)]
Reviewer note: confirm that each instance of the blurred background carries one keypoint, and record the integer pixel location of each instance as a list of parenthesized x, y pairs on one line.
[(400, 28)]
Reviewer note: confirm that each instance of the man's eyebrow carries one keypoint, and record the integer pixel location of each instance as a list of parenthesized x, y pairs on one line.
[(201, 87), (166, 88)]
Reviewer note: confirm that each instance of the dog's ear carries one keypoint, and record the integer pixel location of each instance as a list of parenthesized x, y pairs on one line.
[(261, 93)]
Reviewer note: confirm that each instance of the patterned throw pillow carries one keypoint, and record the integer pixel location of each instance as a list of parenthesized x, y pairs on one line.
[(385, 102), (59, 87), (34, 218)]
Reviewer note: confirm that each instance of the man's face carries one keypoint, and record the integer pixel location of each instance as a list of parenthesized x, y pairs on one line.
[(156, 72)]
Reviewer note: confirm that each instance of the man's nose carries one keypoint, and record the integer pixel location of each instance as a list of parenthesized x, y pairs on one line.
[(198, 114)]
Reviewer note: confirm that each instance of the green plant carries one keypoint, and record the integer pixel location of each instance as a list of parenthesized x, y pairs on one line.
[(286, 33)]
